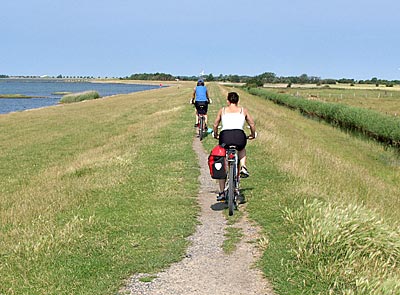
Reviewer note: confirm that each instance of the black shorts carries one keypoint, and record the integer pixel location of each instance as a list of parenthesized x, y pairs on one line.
[(201, 107), (235, 137)]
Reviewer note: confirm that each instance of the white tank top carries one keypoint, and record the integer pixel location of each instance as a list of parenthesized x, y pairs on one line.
[(232, 120)]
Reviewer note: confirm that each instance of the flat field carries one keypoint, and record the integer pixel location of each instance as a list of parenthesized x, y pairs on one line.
[(382, 99)]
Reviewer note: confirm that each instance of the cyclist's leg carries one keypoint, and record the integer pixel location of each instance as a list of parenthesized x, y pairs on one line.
[(197, 118), (242, 168), (242, 157), (205, 113), (241, 140), (198, 111), (196, 104), (221, 194)]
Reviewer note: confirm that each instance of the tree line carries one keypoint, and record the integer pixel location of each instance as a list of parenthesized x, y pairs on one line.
[(258, 80)]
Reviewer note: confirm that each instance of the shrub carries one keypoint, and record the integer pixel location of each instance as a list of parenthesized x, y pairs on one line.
[(79, 96)]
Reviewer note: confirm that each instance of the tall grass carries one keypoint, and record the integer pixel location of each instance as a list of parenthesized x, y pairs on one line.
[(352, 250), (79, 96), (384, 128)]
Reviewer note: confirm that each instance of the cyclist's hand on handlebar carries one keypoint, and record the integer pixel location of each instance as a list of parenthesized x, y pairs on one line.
[(191, 101), (252, 136)]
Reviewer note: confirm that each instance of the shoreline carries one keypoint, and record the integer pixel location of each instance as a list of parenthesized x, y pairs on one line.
[(26, 98)]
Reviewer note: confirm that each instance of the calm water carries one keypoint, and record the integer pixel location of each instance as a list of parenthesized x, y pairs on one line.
[(45, 90)]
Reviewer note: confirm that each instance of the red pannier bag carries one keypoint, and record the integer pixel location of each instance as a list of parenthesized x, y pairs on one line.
[(217, 162)]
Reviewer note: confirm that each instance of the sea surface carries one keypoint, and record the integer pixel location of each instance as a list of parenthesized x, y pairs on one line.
[(44, 92)]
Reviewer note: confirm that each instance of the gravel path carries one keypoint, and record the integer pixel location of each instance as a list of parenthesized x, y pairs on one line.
[(206, 268)]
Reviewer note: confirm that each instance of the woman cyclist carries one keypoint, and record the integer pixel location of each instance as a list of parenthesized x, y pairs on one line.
[(233, 117), (201, 100)]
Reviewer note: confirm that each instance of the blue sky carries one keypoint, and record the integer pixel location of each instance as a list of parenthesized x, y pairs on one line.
[(328, 39)]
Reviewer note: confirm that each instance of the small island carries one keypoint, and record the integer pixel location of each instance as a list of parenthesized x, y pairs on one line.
[(17, 96), (61, 93)]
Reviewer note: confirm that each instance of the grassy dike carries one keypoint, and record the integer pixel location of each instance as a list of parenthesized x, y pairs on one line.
[(92, 192), (95, 191), (328, 203)]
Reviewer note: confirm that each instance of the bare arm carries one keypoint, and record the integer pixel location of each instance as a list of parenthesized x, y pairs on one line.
[(250, 121), (216, 123), (193, 95), (208, 98)]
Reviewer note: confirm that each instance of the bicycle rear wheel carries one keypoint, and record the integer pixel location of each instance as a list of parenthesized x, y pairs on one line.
[(201, 127), (231, 188)]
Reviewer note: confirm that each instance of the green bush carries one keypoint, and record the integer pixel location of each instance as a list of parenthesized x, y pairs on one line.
[(79, 96)]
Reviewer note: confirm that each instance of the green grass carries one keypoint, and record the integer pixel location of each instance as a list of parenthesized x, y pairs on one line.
[(82, 207), (147, 279), (79, 96), (296, 159), (96, 192), (232, 238)]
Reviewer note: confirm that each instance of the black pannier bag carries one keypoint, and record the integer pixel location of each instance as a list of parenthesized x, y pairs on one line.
[(217, 162)]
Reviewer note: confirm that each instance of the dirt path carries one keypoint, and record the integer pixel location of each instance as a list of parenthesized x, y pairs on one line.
[(206, 267)]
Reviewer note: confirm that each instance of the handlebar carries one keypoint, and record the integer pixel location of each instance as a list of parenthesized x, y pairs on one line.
[(191, 101), (248, 136), (252, 137)]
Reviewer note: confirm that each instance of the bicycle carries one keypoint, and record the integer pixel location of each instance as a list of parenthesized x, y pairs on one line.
[(232, 191), (201, 125)]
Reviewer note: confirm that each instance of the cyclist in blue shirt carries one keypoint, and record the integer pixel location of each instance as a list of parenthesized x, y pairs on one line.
[(201, 100)]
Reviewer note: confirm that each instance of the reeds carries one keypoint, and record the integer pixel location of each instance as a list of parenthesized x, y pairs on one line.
[(79, 96), (381, 127), (349, 247)]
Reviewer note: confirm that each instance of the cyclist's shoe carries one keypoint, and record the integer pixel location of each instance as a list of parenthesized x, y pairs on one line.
[(221, 197), (196, 125), (240, 199), (243, 172)]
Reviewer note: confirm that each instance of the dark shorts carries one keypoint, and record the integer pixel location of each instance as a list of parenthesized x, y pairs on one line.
[(235, 137), (201, 107)]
